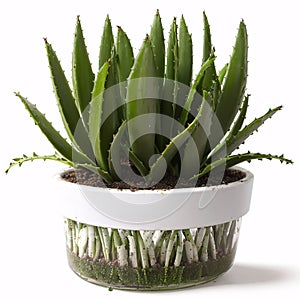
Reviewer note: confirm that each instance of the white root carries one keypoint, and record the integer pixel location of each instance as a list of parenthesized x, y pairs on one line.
[(163, 251), (97, 247), (204, 251), (189, 251), (122, 256), (105, 241), (132, 252), (151, 253), (199, 237), (75, 236), (143, 251), (123, 237), (91, 241), (68, 232), (195, 253), (179, 250), (82, 241), (147, 236), (212, 244), (170, 247)]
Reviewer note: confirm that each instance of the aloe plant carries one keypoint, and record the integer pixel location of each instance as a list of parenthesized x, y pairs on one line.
[(202, 118)]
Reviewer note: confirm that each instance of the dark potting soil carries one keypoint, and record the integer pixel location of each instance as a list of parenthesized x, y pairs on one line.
[(86, 177)]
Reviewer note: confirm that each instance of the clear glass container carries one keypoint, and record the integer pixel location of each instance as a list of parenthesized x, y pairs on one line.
[(150, 259)]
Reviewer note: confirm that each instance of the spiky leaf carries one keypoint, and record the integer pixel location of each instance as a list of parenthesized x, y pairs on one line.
[(199, 138), (222, 73), (65, 100), (235, 83), (107, 42), (125, 55), (210, 74), (175, 144), (66, 103), (54, 137), (235, 141), (95, 118), (140, 84), (193, 90), (25, 158), (241, 117), (185, 54), (170, 88), (233, 160), (158, 44), (82, 74)]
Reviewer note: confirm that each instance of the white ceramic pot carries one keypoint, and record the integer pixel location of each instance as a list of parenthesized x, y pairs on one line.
[(153, 239)]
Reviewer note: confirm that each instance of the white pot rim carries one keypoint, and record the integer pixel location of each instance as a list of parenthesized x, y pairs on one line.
[(155, 209)]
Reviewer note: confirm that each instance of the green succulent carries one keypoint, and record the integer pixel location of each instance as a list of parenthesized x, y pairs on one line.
[(202, 119)]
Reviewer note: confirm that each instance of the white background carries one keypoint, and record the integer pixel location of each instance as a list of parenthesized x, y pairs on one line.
[(32, 251)]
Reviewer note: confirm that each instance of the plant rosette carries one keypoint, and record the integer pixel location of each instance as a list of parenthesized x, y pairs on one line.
[(141, 120), (152, 239)]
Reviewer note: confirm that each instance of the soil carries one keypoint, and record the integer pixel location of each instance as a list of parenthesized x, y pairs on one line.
[(86, 177)]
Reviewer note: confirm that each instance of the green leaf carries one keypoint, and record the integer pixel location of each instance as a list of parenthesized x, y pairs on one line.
[(20, 160), (125, 55), (54, 137), (233, 160), (158, 44), (210, 75), (175, 144), (235, 82), (115, 153), (193, 90), (172, 53), (142, 83), (199, 138), (241, 117), (65, 100), (236, 137), (234, 141), (170, 86), (66, 103), (138, 164), (120, 153), (185, 54), (95, 118), (82, 74), (107, 43), (125, 60), (113, 106), (113, 74), (221, 147), (185, 65), (222, 74)]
